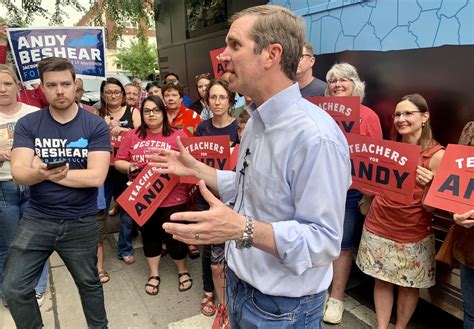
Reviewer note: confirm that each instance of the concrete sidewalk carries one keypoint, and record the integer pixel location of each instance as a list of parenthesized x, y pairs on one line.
[(128, 306)]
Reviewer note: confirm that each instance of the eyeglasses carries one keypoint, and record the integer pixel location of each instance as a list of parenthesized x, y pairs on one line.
[(221, 98), (172, 82), (302, 56), (155, 110), (340, 80), (113, 93), (407, 114)]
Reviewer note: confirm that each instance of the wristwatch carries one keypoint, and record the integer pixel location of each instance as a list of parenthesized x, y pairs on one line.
[(246, 240)]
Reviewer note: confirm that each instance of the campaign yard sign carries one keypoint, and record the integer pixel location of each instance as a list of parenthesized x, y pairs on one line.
[(217, 66), (383, 167), (212, 150), (452, 188), (345, 110), (115, 142), (147, 191), (83, 46)]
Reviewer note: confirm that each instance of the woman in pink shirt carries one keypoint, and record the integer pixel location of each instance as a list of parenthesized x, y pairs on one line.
[(155, 131)]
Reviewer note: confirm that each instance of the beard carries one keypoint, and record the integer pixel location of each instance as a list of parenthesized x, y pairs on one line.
[(62, 104)]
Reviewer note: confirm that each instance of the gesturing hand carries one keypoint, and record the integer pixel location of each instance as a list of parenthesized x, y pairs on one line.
[(216, 225), (179, 163)]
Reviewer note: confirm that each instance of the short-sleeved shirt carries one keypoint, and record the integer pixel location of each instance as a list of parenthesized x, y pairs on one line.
[(206, 128), (7, 129), (314, 88), (132, 149), (53, 141), (187, 120)]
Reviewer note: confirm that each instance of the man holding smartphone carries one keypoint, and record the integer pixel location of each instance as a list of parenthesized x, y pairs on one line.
[(62, 212)]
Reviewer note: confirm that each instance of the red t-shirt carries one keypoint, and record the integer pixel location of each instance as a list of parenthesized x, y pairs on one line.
[(3, 54), (369, 123), (132, 149), (187, 120)]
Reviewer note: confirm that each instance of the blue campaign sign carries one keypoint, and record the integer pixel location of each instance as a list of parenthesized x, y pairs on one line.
[(84, 47)]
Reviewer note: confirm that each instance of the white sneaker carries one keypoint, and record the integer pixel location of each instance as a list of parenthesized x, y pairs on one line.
[(40, 299), (334, 311)]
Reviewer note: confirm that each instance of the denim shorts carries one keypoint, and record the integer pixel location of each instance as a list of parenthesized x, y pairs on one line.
[(353, 220)]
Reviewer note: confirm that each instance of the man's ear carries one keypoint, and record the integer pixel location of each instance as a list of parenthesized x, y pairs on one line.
[(274, 52)]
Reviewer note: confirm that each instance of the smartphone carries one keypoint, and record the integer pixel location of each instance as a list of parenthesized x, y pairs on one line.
[(55, 164)]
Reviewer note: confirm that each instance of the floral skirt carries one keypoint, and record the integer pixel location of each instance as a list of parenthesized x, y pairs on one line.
[(404, 264)]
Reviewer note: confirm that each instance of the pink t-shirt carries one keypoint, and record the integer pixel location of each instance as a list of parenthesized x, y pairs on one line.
[(132, 149)]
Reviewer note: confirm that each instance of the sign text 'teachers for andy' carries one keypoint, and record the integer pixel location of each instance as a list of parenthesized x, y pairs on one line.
[(345, 110), (147, 191), (452, 188), (383, 167)]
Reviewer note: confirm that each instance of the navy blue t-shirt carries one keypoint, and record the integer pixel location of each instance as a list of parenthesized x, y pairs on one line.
[(206, 128), (53, 141)]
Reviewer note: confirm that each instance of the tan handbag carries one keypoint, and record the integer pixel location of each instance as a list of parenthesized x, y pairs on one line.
[(364, 204), (445, 252)]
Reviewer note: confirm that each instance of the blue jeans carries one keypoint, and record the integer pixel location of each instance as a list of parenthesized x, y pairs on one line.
[(353, 220), (13, 200), (75, 240), (249, 308), (114, 185), (124, 244), (467, 286)]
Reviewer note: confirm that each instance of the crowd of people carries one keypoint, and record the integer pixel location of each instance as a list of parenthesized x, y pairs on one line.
[(276, 249)]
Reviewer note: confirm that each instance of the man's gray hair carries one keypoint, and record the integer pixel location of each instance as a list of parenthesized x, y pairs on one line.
[(279, 25)]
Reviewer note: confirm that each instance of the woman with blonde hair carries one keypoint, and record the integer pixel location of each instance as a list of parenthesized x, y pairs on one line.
[(343, 80), (13, 197)]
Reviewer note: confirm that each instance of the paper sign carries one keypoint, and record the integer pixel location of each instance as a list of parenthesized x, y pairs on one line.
[(452, 188), (345, 110), (83, 47), (147, 191), (115, 141), (383, 167), (217, 66), (211, 150)]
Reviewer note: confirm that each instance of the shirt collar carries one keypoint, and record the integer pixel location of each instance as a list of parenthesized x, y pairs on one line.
[(277, 105)]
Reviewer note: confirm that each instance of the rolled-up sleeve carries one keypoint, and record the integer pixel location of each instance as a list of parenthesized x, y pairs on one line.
[(319, 176), (226, 185)]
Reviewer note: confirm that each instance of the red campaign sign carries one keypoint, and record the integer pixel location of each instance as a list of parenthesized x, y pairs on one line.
[(217, 65), (383, 167), (115, 141), (147, 191), (345, 110), (452, 188), (212, 150)]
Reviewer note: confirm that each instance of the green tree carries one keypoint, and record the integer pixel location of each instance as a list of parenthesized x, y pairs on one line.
[(136, 11), (140, 59)]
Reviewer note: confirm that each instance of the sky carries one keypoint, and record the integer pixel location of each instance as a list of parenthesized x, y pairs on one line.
[(74, 15)]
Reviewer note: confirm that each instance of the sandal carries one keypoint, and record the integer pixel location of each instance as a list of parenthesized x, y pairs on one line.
[(208, 308), (104, 276), (129, 260), (153, 286), (193, 251), (181, 283)]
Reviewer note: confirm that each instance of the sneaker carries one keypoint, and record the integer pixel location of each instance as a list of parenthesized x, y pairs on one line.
[(40, 299), (334, 311)]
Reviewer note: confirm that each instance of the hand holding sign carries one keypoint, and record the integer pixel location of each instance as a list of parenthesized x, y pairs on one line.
[(462, 219), (179, 163), (423, 176), (216, 225)]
